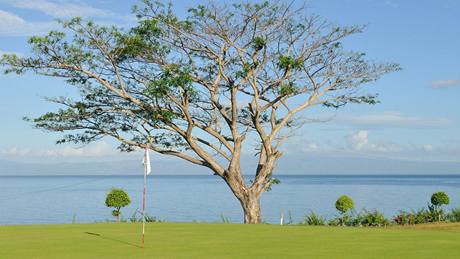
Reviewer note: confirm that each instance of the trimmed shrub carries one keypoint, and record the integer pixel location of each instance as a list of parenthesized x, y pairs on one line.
[(117, 199), (439, 198), (344, 204)]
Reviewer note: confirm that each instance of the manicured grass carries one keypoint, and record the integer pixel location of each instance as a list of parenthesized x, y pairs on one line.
[(187, 240)]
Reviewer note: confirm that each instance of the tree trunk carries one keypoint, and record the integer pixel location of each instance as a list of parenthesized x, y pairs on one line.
[(249, 198), (251, 209)]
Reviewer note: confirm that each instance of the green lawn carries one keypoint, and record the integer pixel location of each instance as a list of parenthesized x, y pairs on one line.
[(187, 240)]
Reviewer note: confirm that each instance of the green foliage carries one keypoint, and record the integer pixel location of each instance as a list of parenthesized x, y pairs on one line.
[(288, 62), (343, 100), (258, 43), (437, 213), (151, 219), (199, 11), (117, 198), (404, 218), (432, 214), (287, 89), (137, 217), (344, 204), (420, 216), (314, 219), (131, 47), (373, 219), (116, 213), (246, 68), (439, 199), (334, 222), (352, 219), (365, 218), (172, 78), (454, 215), (224, 219), (289, 220), (349, 219), (271, 181), (423, 216)]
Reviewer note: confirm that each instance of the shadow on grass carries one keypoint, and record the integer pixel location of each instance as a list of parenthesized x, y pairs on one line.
[(112, 239)]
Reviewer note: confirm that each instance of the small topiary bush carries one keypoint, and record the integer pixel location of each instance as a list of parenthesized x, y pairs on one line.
[(438, 199), (344, 204), (349, 217), (117, 199)]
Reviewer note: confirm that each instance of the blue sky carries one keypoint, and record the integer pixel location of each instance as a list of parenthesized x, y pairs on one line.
[(417, 120)]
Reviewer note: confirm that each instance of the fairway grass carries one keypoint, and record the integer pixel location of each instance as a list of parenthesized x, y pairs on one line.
[(188, 240)]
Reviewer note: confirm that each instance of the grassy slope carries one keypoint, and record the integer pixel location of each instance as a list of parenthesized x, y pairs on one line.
[(184, 240)]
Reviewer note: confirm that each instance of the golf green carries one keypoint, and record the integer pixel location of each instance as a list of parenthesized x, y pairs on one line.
[(188, 240)]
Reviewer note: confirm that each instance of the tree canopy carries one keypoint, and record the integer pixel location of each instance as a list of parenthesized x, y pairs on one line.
[(203, 86), (439, 199), (344, 204), (117, 199)]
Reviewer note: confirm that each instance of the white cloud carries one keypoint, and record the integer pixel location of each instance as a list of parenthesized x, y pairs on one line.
[(428, 148), (311, 147), (300, 145), (94, 150), (61, 9), (391, 119), (13, 25), (359, 141), (444, 83), (7, 18)]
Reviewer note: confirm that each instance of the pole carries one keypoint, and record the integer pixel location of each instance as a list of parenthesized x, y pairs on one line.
[(143, 200)]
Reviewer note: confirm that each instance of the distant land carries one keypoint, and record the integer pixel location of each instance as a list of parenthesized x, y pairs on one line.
[(297, 166)]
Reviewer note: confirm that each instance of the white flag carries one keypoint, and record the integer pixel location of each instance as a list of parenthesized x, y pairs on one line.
[(146, 162)]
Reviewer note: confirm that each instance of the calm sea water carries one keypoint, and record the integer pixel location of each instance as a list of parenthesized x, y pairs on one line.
[(59, 199)]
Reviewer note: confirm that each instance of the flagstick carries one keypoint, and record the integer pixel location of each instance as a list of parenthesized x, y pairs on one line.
[(143, 201)]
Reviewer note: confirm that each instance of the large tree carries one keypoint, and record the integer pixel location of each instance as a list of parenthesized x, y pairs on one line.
[(201, 87)]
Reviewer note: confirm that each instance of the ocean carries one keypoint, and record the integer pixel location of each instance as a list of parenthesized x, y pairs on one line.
[(80, 199)]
